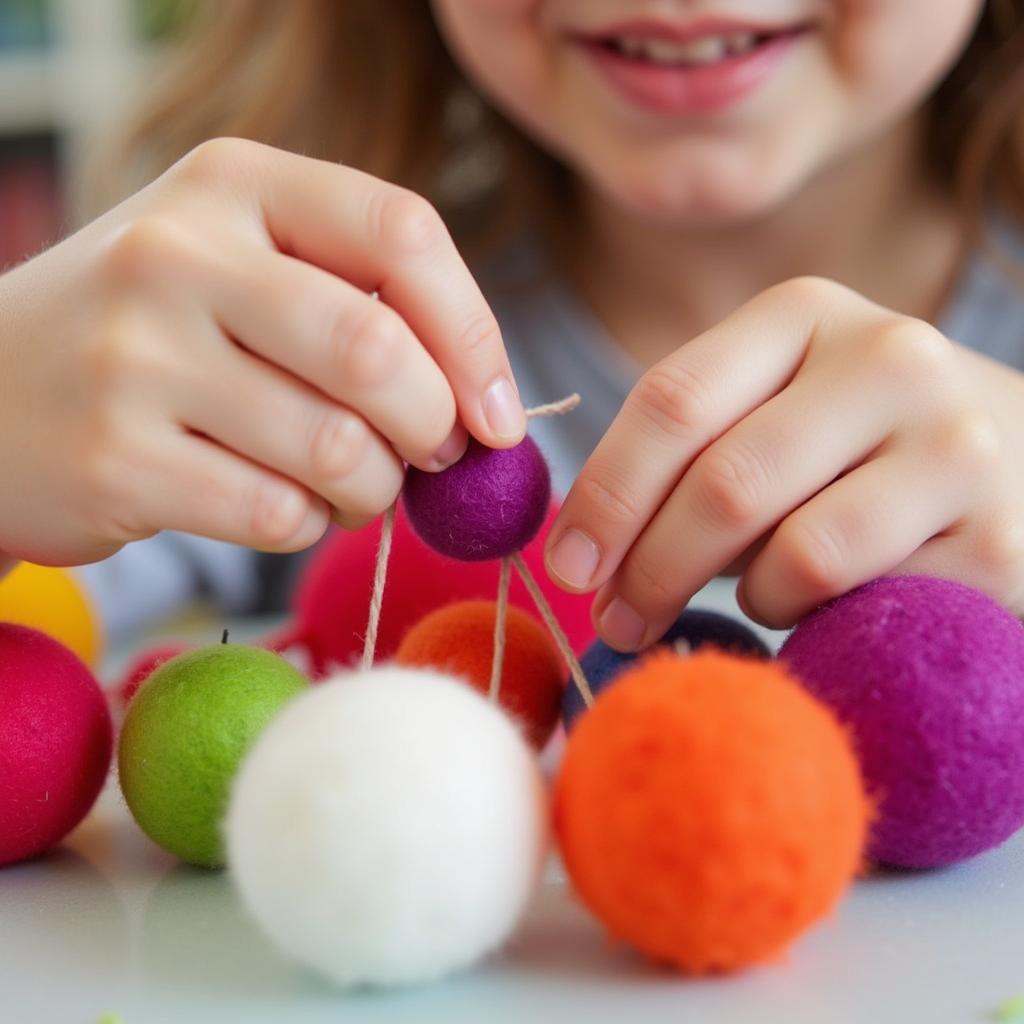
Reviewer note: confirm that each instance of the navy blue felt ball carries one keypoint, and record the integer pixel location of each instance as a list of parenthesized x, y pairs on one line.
[(697, 627)]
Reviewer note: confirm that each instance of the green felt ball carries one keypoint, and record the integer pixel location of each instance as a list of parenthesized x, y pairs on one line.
[(185, 734)]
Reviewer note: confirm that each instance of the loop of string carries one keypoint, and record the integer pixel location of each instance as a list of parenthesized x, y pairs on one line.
[(387, 531)]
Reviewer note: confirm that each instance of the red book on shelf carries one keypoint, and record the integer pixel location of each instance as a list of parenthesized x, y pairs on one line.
[(29, 210)]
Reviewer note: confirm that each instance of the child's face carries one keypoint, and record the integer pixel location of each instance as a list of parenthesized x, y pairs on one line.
[(705, 111)]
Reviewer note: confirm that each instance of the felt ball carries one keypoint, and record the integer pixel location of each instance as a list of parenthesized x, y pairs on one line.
[(929, 676), (709, 809), (56, 740), (489, 504), (184, 735), (53, 601), (143, 666), (389, 827), (459, 640), (695, 628), (333, 594)]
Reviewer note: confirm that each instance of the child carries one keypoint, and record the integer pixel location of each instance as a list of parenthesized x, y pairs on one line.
[(757, 237)]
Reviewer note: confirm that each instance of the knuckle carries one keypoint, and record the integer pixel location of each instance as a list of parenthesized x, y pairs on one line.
[(1000, 552), (109, 361), (142, 250), (729, 487), (907, 350), (814, 556), (337, 446), (368, 356), (480, 337), (216, 158), (651, 579), (276, 514), (809, 290), (614, 503), (972, 439), (673, 399), (404, 223)]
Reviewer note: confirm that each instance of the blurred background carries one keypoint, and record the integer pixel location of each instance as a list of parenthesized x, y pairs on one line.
[(69, 69)]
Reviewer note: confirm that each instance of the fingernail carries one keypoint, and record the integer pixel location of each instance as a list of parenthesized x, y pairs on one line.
[(621, 626), (451, 451), (503, 410), (574, 558)]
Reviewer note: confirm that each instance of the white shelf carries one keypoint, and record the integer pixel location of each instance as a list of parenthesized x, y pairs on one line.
[(27, 93)]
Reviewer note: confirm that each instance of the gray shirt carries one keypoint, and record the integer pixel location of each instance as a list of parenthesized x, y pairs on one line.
[(556, 346)]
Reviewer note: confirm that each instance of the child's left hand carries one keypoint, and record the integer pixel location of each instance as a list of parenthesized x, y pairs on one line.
[(811, 441)]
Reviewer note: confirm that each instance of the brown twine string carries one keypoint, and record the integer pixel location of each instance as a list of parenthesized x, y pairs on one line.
[(387, 531), (500, 614), (575, 669), (559, 408)]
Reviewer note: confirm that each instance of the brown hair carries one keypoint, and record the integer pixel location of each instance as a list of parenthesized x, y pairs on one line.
[(372, 84)]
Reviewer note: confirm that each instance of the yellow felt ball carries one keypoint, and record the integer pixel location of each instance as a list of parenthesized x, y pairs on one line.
[(52, 601)]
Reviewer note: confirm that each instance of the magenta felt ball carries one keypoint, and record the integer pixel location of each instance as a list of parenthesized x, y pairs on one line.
[(491, 503), (56, 741), (929, 676)]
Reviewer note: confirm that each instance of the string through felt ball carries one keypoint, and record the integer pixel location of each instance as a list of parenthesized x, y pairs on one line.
[(575, 669), (500, 614), (387, 532)]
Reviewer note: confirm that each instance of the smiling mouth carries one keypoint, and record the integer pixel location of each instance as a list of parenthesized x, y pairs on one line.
[(657, 50)]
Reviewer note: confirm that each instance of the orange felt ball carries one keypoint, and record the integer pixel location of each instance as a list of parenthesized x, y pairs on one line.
[(459, 638), (709, 809)]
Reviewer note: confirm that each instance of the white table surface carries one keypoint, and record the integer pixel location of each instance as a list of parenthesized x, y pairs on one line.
[(108, 923)]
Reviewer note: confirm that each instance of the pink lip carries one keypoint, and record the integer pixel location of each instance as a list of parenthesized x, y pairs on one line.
[(694, 90)]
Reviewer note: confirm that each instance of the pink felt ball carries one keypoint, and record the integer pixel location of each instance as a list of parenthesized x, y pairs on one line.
[(143, 666), (56, 741), (491, 503), (333, 594)]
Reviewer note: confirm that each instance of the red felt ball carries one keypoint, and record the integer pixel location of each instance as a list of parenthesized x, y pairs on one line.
[(333, 595), (139, 670), (56, 741), (709, 809), (459, 639)]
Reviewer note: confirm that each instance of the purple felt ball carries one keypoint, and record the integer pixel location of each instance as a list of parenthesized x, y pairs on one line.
[(929, 677), (491, 503)]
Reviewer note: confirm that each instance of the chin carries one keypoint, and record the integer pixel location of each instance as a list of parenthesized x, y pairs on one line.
[(697, 183), (686, 200)]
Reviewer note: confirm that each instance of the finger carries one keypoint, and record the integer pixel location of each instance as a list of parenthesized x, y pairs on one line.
[(381, 237), (195, 486), (863, 526), (349, 345), (673, 413), (736, 490), (276, 421)]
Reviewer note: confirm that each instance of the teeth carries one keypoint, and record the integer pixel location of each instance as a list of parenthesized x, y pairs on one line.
[(706, 50), (741, 42)]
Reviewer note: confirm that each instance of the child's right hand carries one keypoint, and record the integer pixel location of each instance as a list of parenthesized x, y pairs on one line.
[(208, 357)]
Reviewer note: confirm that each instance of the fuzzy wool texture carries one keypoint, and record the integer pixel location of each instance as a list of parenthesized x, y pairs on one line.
[(459, 640), (334, 592), (143, 666), (695, 627), (929, 677), (184, 735), (52, 600), (388, 828), (56, 742), (709, 810), (491, 503)]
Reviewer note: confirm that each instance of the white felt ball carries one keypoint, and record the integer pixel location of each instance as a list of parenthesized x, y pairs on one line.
[(388, 827)]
